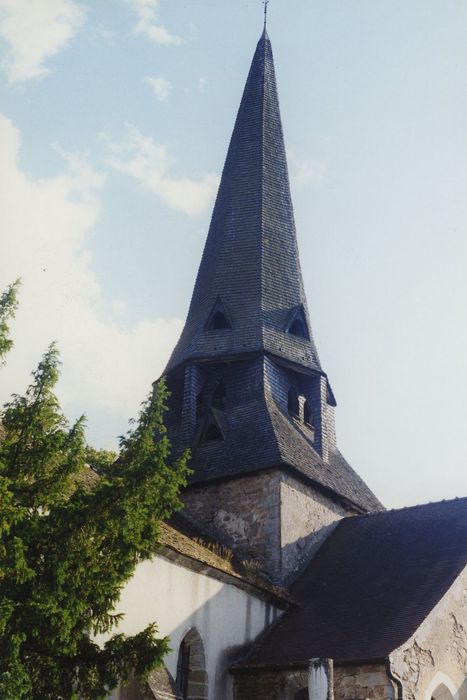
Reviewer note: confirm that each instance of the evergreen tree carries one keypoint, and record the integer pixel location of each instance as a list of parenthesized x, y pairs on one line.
[(8, 304), (67, 546)]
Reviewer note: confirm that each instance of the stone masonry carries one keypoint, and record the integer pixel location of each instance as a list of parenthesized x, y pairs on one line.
[(439, 646), (357, 682), (271, 517), (272, 685), (362, 681)]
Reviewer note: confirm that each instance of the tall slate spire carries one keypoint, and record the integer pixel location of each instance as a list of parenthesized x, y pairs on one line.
[(247, 391), (250, 265)]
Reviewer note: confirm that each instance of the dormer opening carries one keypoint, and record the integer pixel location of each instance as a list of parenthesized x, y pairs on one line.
[(211, 430), (218, 318), (293, 404), (220, 322), (307, 414), (199, 403), (212, 434), (297, 324), (218, 397), (298, 328)]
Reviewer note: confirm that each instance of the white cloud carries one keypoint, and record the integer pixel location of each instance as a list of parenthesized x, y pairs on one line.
[(107, 369), (202, 82), (101, 35), (162, 87), (148, 24), (148, 162), (35, 30), (304, 170)]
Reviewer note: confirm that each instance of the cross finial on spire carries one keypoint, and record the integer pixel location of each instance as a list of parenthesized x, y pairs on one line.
[(265, 3)]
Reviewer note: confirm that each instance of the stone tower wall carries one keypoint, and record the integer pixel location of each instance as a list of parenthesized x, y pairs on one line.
[(242, 513), (271, 517), (307, 517)]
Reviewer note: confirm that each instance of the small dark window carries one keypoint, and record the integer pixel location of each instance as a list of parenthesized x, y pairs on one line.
[(307, 414), (212, 434), (292, 403), (220, 322), (183, 669), (298, 329), (199, 403), (218, 397)]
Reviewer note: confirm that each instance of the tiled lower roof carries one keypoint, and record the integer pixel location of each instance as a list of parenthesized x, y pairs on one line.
[(370, 586), (179, 536)]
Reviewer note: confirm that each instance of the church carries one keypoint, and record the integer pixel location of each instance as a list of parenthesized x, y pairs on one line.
[(284, 577)]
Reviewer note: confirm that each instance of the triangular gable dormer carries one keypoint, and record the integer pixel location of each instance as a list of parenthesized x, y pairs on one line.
[(212, 429), (218, 319), (297, 324)]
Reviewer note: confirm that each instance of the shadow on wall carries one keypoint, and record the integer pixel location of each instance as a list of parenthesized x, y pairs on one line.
[(302, 550), (227, 657), (462, 692), (196, 657)]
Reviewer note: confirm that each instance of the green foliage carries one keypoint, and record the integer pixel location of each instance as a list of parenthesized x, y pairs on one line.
[(67, 546), (100, 461), (8, 304)]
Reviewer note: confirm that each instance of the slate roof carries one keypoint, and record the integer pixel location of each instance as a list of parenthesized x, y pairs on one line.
[(250, 262), (336, 475), (259, 436), (370, 586), (250, 272)]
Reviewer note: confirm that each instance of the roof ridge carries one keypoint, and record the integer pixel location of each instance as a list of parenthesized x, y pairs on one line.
[(446, 501), (270, 418), (264, 38)]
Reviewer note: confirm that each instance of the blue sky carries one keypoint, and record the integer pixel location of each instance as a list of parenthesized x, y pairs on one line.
[(114, 123)]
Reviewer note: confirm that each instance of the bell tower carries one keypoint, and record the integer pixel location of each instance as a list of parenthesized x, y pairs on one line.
[(249, 395)]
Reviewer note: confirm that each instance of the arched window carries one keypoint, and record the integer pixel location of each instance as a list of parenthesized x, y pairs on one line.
[(220, 322), (218, 397), (293, 403), (298, 328), (307, 414), (192, 680), (442, 692), (183, 668)]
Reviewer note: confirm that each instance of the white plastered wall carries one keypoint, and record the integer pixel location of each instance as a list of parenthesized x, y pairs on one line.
[(177, 599)]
